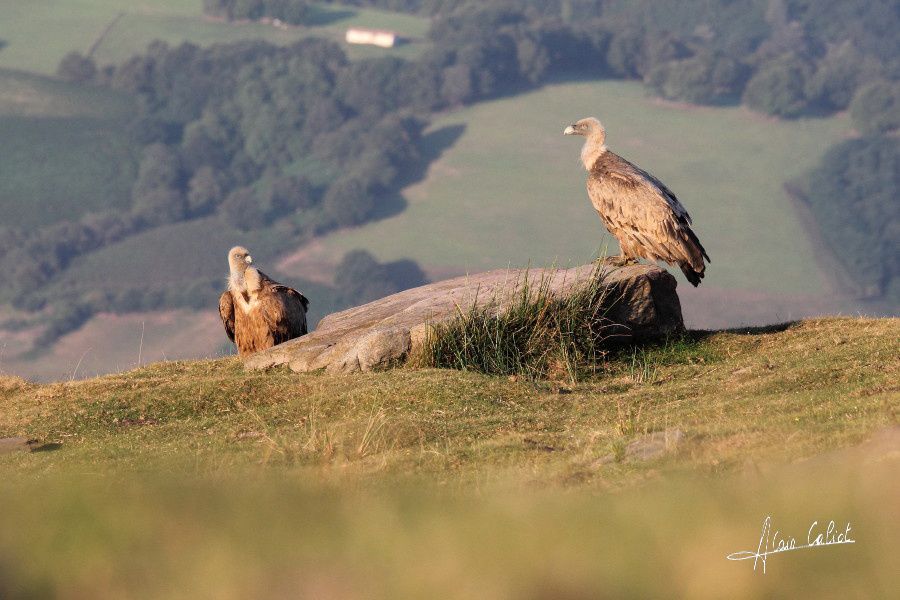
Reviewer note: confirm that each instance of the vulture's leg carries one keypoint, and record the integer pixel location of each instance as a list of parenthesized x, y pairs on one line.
[(618, 261)]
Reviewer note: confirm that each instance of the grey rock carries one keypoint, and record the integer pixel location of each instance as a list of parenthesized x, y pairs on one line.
[(24, 444), (382, 333), (649, 446), (15, 444)]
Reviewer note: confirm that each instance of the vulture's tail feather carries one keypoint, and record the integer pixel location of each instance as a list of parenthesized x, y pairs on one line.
[(693, 237), (693, 276)]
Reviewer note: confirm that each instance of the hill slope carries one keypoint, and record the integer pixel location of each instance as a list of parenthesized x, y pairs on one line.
[(66, 150), (824, 384), (510, 188), (225, 483)]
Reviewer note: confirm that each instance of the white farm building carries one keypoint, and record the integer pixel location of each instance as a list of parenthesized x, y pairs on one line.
[(375, 37)]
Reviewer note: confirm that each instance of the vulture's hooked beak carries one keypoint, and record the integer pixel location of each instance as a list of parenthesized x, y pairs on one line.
[(570, 130), (249, 260)]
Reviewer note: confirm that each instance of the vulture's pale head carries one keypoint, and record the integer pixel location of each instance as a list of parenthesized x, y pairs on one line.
[(590, 128), (595, 138), (239, 259)]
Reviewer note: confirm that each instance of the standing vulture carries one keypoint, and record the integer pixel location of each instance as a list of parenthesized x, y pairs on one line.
[(257, 312), (642, 213)]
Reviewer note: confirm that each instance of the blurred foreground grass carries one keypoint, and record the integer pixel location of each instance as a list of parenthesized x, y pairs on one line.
[(198, 480)]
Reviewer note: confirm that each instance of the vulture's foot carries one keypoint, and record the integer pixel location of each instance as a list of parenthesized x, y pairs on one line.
[(617, 261)]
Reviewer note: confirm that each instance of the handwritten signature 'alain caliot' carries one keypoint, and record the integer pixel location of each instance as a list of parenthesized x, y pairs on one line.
[(775, 543)]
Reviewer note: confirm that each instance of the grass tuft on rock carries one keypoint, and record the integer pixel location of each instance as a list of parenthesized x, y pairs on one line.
[(536, 333)]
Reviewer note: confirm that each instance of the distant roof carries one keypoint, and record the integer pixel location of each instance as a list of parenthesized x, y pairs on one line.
[(368, 30)]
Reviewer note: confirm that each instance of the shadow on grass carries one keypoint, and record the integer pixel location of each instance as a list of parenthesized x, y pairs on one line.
[(683, 348), (320, 15), (431, 147), (702, 334)]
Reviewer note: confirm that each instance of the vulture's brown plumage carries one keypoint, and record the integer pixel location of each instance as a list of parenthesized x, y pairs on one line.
[(638, 210), (257, 312)]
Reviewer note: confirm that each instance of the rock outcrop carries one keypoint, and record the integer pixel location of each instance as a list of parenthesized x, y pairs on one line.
[(384, 332)]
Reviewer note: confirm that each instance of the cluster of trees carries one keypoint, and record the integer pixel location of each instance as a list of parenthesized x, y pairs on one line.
[(853, 194), (296, 138), (289, 11), (780, 57), (360, 278)]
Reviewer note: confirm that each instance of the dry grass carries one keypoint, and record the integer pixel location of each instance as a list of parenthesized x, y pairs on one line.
[(197, 479), (537, 333), (737, 396)]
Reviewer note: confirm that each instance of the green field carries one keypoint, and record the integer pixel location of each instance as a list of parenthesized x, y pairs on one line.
[(201, 480), (511, 189), (65, 151), (177, 253), (39, 33)]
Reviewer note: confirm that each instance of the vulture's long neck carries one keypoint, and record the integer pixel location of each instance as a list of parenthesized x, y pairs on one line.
[(236, 282), (593, 149), (238, 288)]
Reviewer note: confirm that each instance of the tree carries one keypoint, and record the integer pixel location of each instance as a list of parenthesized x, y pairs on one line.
[(876, 107), (853, 194), (76, 68), (360, 278), (290, 194), (838, 75), (456, 85), (204, 191), (242, 210), (159, 206), (625, 51), (703, 79), (347, 202), (199, 148), (777, 88), (160, 168)]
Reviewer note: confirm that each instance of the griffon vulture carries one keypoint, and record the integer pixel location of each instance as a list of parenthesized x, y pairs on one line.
[(257, 312), (638, 210)]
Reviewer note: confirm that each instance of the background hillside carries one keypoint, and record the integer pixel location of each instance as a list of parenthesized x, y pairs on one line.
[(131, 166)]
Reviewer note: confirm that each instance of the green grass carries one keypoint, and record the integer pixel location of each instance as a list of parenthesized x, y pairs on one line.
[(511, 190), (181, 253), (824, 383), (41, 32), (175, 253), (197, 479), (172, 254), (535, 333), (65, 152)]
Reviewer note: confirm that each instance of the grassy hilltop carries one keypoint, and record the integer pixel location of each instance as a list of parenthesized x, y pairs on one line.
[(202, 479)]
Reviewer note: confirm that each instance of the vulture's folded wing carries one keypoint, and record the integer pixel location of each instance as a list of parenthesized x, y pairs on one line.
[(637, 206), (291, 292), (226, 311)]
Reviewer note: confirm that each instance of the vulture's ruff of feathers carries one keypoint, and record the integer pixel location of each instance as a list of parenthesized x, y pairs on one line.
[(638, 210)]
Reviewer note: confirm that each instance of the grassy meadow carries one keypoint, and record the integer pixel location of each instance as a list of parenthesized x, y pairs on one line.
[(38, 34), (65, 151), (197, 479), (511, 190)]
